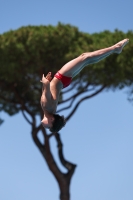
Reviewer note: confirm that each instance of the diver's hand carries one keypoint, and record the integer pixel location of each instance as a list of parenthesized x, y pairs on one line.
[(44, 80), (49, 76)]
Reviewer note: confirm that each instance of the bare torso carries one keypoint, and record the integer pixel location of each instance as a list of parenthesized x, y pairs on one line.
[(55, 88)]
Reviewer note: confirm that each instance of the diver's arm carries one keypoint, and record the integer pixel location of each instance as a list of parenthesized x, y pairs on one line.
[(46, 93)]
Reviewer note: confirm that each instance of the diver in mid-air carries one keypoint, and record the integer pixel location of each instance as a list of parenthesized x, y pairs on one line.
[(52, 86)]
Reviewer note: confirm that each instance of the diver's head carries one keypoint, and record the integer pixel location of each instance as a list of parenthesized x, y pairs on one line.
[(58, 123)]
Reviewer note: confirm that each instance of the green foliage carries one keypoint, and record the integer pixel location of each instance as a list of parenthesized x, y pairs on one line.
[(27, 53)]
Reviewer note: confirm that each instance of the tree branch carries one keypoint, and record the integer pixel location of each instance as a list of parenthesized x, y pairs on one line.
[(65, 163), (67, 107), (26, 117), (34, 132), (74, 98), (23, 104), (75, 95), (81, 100), (46, 152)]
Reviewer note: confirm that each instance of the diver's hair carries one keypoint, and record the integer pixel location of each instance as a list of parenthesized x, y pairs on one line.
[(59, 122)]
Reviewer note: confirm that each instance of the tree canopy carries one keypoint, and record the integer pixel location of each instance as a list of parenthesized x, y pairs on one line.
[(27, 53)]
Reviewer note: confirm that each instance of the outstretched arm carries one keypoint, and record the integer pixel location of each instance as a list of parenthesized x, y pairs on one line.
[(46, 94)]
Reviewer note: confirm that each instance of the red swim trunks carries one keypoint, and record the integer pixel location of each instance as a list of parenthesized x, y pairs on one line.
[(64, 79)]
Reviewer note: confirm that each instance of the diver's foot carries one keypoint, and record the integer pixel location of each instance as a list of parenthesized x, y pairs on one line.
[(119, 46)]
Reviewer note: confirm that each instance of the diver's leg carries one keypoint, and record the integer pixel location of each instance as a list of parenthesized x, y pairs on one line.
[(73, 67)]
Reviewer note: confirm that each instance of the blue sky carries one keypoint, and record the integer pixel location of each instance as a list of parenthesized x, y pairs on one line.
[(100, 143)]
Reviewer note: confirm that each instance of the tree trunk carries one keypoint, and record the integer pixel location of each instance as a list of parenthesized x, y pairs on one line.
[(63, 179), (64, 191)]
